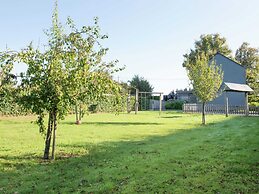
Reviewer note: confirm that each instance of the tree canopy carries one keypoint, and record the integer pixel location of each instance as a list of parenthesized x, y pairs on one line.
[(8, 81), (206, 78), (207, 45), (249, 58), (141, 83), (69, 70)]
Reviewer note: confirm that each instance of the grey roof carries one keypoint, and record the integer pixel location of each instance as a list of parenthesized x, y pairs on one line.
[(237, 87), (229, 59)]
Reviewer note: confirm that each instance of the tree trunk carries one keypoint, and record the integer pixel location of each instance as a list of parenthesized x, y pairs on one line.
[(203, 113), (80, 114), (77, 115), (76, 112), (54, 135), (48, 137)]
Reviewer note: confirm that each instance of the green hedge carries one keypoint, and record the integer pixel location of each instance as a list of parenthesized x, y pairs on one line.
[(175, 105)]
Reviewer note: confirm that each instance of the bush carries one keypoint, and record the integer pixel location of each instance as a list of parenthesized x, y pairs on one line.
[(93, 108), (132, 104), (175, 105), (254, 104), (111, 104)]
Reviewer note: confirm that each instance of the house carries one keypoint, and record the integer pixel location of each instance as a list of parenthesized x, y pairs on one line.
[(185, 95), (234, 86)]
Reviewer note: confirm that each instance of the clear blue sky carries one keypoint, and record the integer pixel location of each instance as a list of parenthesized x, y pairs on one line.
[(149, 37)]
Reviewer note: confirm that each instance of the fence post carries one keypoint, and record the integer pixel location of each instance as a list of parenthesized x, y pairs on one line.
[(160, 104), (247, 106), (136, 101), (226, 100)]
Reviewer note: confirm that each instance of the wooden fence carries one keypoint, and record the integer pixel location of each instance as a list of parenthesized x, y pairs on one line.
[(219, 109), (253, 110)]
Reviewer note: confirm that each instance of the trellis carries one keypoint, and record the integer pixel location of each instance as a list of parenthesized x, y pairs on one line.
[(142, 100), (145, 100)]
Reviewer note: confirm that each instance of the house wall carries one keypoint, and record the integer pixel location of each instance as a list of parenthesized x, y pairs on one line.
[(155, 105), (233, 73)]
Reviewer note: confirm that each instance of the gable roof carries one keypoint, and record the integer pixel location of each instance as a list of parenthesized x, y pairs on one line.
[(218, 53), (234, 87)]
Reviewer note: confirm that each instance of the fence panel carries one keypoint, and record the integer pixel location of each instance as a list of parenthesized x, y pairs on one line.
[(220, 109), (254, 110)]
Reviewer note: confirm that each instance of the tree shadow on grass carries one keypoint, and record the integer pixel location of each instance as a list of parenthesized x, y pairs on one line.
[(113, 123), (171, 117), (199, 160)]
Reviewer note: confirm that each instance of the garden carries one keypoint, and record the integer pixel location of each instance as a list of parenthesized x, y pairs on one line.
[(128, 153), (67, 125)]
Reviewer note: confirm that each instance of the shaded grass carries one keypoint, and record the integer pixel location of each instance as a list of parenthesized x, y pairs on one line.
[(141, 153)]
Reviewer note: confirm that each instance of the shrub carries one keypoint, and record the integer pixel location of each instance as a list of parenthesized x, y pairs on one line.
[(175, 105)]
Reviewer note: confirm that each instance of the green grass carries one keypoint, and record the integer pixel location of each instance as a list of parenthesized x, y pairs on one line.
[(141, 153)]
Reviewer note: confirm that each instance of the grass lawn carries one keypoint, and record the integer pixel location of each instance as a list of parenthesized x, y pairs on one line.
[(141, 153)]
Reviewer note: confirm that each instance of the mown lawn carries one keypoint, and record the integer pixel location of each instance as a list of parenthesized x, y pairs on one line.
[(141, 153)]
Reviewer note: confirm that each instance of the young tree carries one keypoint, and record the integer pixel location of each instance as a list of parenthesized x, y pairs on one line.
[(208, 45), (92, 74), (206, 78), (69, 70), (249, 58)]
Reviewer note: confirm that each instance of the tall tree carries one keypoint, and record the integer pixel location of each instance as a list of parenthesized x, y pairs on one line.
[(141, 83), (249, 58), (208, 45), (70, 69), (206, 78)]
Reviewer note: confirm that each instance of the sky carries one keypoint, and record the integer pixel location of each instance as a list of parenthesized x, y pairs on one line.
[(148, 37)]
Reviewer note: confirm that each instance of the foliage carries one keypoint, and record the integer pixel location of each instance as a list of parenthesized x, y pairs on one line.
[(249, 57), (253, 82), (69, 71), (174, 105), (208, 45), (8, 91), (206, 78), (141, 83), (246, 55), (130, 153), (110, 104)]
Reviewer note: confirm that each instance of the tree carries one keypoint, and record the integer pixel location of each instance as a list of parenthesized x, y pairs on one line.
[(95, 78), (69, 70), (141, 83), (8, 81), (208, 45), (206, 78), (246, 55), (249, 58)]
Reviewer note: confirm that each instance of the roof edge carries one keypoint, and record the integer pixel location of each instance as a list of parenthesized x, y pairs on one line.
[(228, 59)]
